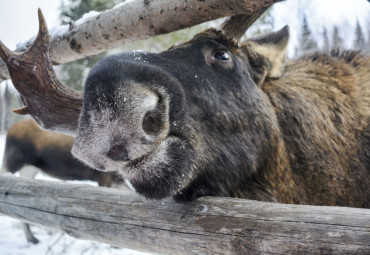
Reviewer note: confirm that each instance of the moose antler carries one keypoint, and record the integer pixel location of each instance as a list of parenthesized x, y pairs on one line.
[(53, 105), (234, 27)]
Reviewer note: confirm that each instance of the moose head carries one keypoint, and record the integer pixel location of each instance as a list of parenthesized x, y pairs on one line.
[(163, 120)]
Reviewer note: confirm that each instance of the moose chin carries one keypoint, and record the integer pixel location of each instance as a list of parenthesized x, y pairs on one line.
[(216, 116)]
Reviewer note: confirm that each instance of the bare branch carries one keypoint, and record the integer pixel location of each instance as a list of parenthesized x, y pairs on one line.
[(136, 20)]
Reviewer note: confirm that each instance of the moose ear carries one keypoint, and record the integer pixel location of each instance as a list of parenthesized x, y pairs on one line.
[(266, 54)]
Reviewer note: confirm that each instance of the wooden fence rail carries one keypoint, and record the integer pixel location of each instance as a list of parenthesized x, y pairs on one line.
[(209, 225)]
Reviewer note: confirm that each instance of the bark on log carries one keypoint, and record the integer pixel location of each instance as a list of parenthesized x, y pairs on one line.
[(136, 20), (210, 225)]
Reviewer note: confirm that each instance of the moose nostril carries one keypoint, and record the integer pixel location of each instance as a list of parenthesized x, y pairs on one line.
[(118, 153), (152, 122)]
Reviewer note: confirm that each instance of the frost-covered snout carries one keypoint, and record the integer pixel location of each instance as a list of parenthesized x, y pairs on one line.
[(143, 123), (126, 131)]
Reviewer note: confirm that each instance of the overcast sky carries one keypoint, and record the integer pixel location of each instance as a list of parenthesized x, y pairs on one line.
[(19, 22), (18, 18)]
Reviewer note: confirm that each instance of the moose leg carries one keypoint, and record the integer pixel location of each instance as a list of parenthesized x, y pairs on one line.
[(30, 173), (29, 235)]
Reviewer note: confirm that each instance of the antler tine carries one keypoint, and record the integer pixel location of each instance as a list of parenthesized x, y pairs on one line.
[(42, 39), (53, 105), (234, 27), (4, 51)]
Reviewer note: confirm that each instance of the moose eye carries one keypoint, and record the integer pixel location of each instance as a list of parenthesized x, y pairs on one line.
[(221, 55)]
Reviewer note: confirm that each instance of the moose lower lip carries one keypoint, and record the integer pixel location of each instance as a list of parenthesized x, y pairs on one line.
[(136, 162)]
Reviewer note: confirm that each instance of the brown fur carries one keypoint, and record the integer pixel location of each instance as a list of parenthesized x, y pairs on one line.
[(322, 105)]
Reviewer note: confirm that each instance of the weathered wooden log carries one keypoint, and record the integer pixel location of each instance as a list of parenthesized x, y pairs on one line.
[(209, 225), (136, 20)]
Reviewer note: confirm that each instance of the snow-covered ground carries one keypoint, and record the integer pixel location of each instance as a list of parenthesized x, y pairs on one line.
[(13, 241), (2, 146)]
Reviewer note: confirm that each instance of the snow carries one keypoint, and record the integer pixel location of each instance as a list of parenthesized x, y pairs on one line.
[(58, 31), (86, 16), (123, 3), (120, 4), (2, 147), (13, 240)]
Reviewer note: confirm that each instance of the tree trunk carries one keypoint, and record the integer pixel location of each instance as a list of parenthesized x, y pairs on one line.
[(209, 225), (136, 20)]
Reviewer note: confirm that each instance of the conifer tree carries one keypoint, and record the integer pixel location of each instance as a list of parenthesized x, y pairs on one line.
[(367, 45), (326, 42), (359, 43), (337, 41), (307, 43)]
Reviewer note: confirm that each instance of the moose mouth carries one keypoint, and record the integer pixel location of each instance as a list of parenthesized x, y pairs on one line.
[(159, 173), (162, 172), (165, 153)]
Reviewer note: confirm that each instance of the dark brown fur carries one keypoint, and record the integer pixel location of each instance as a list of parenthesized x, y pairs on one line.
[(188, 122)]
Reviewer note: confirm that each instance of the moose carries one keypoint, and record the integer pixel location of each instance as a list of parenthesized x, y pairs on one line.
[(214, 116)]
